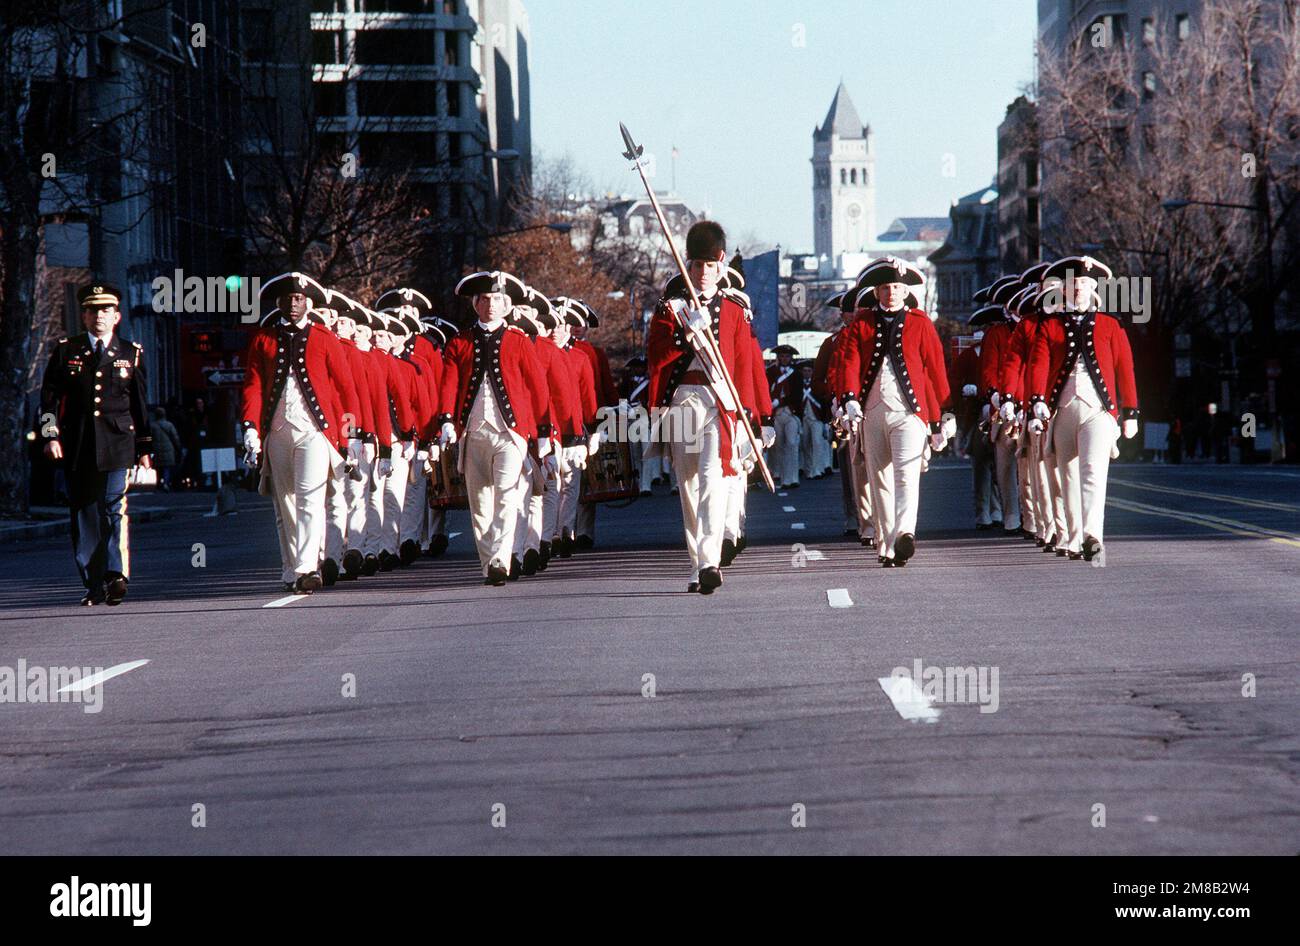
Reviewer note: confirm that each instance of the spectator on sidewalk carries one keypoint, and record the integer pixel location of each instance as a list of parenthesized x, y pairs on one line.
[(167, 448)]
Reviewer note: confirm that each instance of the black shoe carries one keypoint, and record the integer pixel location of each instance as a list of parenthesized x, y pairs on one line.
[(982, 527), (728, 552), (1040, 542), (387, 561), (793, 486), (995, 524), (710, 578), (904, 548), (93, 598), (1091, 548), (1061, 553), (1027, 535), (742, 543), (329, 572), (1011, 533), (438, 545), (528, 567), (516, 568), (288, 586), (352, 562), (565, 546), (369, 565), (307, 584), (887, 562), (543, 556), (1076, 556), (869, 542), (115, 589), (693, 588), (585, 542), (496, 576), (850, 533), (646, 492), (409, 552)]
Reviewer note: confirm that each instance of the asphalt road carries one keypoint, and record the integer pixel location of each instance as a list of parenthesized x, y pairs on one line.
[(1119, 687)]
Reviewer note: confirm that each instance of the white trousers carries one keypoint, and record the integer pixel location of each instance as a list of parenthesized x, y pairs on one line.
[(814, 448), (394, 502), (570, 487), (737, 492), (649, 469), (785, 451), (1049, 505), (494, 463), (336, 517), (415, 510), (1024, 476), (299, 465), (1004, 463), (1083, 436), (551, 510), (354, 493), (863, 499), (893, 443), (702, 487)]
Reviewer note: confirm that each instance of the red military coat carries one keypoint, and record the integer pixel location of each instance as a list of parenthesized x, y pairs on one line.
[(426, 354), (523, 381), (668, 356), (606, 392), (1106, 353), (926, 384), (993, 356), (566, 401), (408, 401), (822, 366), (1014, 382), (785, 392), (328, 388)]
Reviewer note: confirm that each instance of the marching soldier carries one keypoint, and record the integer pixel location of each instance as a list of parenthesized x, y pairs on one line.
[(494, 398), (814, 440), (631, 392), (892, 360), (1002, 432), (783, 387), (94, 419), (854, 525), (681, 379), (567, 432), (606, 397), (1085, 355), (973, 419), (297, 390), (753, 391), (572, 460)]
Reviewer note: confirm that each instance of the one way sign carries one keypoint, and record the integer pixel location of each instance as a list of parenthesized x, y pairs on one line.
[(219, 376)]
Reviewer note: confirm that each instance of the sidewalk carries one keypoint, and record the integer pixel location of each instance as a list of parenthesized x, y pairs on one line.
[(144, 505)]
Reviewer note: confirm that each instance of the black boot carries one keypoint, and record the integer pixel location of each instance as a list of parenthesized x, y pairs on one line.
[(728, 552), (496, 576), (516, 567), (329, 572), (409, 552), (904, 548), (307, 584), (1091, 548), (543, 556), (529, 566), (370, 565), (585, 542), (565, 545), (438, 545), (352, 562), (387, 561), (710, 578), (114, 588)]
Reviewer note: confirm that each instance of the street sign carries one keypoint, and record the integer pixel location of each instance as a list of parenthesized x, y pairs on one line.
[(219, 376), (219, 460)]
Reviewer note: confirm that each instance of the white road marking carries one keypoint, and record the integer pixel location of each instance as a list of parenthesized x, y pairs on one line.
[(796, 525), (815, 555), (787, 509), (908, 699), (287, 599), (783, 494), (838, 597), (95, 679), (452, 535)]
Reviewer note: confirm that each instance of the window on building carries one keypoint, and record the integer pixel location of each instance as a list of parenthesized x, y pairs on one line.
[(326, 46), (257, 35), (395, 47), (451, 48), (1182, 26), (844, 176), (1148, 86), (1148, 30), (864, 177), (853, 176), (396, 98), (329, 98)]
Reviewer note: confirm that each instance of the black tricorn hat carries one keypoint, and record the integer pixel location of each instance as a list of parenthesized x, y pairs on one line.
[(834, 301), (889, 269), (1078, 267), (593, 320), (981, 296), (1034, 273), (1005, 290), (706, 240), (785, 350), (477, 284), (635, 362), (988, 315), (866, 299), (570, 311), (291, 282), (396, 298), (98, 295)]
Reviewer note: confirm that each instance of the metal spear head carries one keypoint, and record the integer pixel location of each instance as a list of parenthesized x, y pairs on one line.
[(634, 150)]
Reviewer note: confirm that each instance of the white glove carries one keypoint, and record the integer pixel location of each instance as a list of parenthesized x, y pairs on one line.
[(938, 442), (543, 447), (421, 455), (769, 436), (435, 454), (1035, 426), (698, 320), (948, 426), (969, 390), (576, 457), (852, 412), (1007, 412), (1042, 411), (985, 412), (384, 468), (996, 400), (593, 443), (1130, 428), (252, 441), (448, 435), (408, 450)]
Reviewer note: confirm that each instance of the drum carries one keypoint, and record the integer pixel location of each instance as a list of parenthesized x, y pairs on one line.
[(446, 484), (609, 475)]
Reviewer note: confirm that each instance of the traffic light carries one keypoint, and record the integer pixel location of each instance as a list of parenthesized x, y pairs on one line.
[(232, 262)]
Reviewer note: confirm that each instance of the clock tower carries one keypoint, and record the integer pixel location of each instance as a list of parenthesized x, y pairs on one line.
[(844, 183)]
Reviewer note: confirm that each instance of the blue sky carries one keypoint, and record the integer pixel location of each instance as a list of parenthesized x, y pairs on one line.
[(727, 83)]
